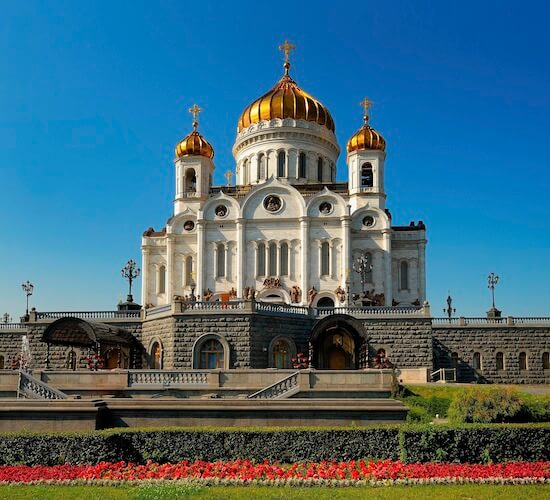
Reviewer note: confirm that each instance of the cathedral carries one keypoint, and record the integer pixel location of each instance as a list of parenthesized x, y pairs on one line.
[(285, 269), (286, 232)]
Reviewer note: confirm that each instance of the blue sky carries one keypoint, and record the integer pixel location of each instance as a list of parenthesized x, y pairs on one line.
[(93, 98)]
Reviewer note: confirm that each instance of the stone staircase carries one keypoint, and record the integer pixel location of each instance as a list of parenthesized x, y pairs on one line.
[(282, 389)]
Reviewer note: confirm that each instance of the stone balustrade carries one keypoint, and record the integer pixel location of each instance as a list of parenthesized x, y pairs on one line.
[(281, 389), (167, 378), (36, 389)]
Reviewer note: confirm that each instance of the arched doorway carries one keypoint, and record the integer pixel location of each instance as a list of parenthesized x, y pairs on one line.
[(112, 359), (339, 343)]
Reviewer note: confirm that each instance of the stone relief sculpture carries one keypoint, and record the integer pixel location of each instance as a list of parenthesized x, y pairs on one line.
[(311, 294), (272, 203), (272, 283), (295, 294), (340, 294), (208, 294), (232, 294)]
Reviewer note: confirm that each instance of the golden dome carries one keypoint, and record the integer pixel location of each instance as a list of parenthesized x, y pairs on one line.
[(286, 100), (194, 143), (366, 137)]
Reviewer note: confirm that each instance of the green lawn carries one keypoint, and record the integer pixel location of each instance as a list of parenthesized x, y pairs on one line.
[(444, 492)]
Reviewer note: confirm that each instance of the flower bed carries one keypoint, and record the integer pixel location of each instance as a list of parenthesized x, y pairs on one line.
[(358, 472)]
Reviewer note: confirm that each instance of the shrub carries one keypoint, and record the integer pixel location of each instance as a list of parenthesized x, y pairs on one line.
[(433, 405), (418, 415), (485, 406)]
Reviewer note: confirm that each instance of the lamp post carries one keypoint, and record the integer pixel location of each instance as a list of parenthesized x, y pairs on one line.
[(130, 272), (28, 288), (450, 309), (347, 286), (193, 285), (363, 267), (492, 282), (6, 318)]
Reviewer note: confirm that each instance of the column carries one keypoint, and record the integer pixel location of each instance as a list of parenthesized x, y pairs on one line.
[(241, 256), (304, 264), (422, 271), (278, 260), (169, 268), (145, 275), (388, 282), (200, 261), (346, 250)]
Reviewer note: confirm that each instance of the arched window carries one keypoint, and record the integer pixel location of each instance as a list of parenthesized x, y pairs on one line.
[(283, 270), (272, 259), (320, 169), (325, 259), (2, 362), (211, 355), (220, 260), (281, 354), (523, 361), (190, 181), (325, 302), (500, 360), (302, 165), (368, 274), (546, 360), (245, 172), (476, 363), (155, 358), (404, 275), (161, 279), (188, 270), (260, 260), (367, 177), (261, 166), (454, 360), (281, 159)]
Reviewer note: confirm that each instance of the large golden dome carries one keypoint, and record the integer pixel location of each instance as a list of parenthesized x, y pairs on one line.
[(286, 100), (194, 143), (366, 137)]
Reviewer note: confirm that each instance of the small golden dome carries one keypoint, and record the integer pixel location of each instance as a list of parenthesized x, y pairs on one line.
[(366, 137), (286, 100), (194, 143)]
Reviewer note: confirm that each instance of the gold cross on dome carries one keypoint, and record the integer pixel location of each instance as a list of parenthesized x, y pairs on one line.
[(366, 103), (286, 48), (228, 175), (195, 110)]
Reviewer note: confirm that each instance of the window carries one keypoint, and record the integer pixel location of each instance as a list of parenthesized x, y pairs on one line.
[(546, 360), (272, 259), (281, 354), (190, 181), (245, 172), (2, 362), (302, 165), (220, 260), (325, 302), (454, 360), (281, 160), (283, 269), (261, 259), (162, 279), (368, 274), (404, 276), (367, 177), (188, 270), (320, 169), (155, 359), (500, 361), (71, 360), (476, 364), (211, 355), (261, 166), (522, 361), (325, 259)]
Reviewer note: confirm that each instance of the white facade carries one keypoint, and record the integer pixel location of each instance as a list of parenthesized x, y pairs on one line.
[(285, 228)]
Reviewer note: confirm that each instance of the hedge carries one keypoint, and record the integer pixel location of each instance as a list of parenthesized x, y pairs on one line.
[(474, 444)]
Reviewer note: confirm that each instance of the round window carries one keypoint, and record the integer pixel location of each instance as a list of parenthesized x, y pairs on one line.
[(189, 225), (368, 221)]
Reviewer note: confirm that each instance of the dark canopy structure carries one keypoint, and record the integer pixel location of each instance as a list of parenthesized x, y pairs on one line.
[(77, 332)]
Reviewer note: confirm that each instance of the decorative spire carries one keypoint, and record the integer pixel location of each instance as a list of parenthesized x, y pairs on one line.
[(286, 48), (366, 103), (195, 110)]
